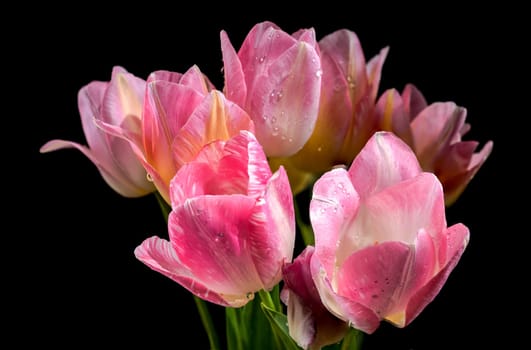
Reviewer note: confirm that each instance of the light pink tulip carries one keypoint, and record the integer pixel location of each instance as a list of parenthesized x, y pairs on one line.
[(310, 324), (182, 113), (276, 78), (118, 102), (348, 94), (232, 224), (435, 133), (382, 246)]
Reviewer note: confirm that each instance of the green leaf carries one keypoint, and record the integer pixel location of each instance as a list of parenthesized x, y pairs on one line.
[(279, 324)]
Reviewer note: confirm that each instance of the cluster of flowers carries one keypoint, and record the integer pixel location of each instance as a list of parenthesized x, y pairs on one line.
[(294, 112)]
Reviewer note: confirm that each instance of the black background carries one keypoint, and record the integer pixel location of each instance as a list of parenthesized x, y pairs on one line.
[(73, 273)]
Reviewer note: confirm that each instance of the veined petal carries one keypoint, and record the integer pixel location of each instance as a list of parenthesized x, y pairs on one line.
[(433, 130), (384, 161), (333, 205), (396, 213), (458, 236), (123, 98), (284, 101), (345, 49), (165, 75), (167, 108), (391, 116), (235, 86), (89, 101), (158, 254), (356, 314), (375, 276), (374, 72), (273, 229), (215, 118), (210, 235)]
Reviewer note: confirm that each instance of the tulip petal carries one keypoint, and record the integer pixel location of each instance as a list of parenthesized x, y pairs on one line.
[(391, 116), (396, 213), (210, 237), (458, 236), (353, 312), (159, 255), (414, 101), (434, 129), (375, 276), (384, 161), (272, 235), (215, 118), (301, 323), (123, 97), (333, 205), (285, 100), (167, 107), (165, 75), (374, 71), (235, 86)]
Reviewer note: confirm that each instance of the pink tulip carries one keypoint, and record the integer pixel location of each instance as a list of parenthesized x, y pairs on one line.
[(118, 102), (232, 224), (276, 78), (310, 324), (348, 94), (182, 113), (382, 246), (435, 133)]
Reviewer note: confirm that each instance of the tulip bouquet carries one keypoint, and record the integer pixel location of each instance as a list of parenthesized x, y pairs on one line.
[(297, 145)]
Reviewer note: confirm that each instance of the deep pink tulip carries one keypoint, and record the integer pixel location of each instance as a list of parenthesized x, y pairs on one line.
[(232, 224), (118, 102), (276, 78), (182, 113), (435, 133), (310, 324), (382, 246)]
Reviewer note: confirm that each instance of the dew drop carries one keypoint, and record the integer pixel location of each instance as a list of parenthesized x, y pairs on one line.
[(275, 131), (262, 59), (319, 149), (219, 236), (249, 295), (290, 139), (318, 73), (149, 177), (274, 120)]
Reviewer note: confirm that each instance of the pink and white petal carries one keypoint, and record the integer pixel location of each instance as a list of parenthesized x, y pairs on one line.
[(397, 213), (384, 161), (272, 236), (195, 79), (356, 314), (158, 254), (374, 72), (244, 155), (123, 98), (165, 75), (235, 87), (345, 49), (414, 101), (391, 116), (374, 276), (333, 205), (458, 237), (434, 129), (89, 101), (285, 101), (306, 35), (456, 184), (301, 322), (193, 180), (215, 118), (210, 235)]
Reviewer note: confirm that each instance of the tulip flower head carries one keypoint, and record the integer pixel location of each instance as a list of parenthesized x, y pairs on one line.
[(382, 247), (117, 102), (231, 227)]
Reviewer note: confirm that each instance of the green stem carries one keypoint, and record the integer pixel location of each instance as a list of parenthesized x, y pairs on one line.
[(265, 297), (164, 207), (207, 323), (352, 340)]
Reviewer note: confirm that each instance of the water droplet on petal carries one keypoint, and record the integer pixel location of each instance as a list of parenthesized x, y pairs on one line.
[(319, 149), (262, 59), (318, 73), (149, 177)]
